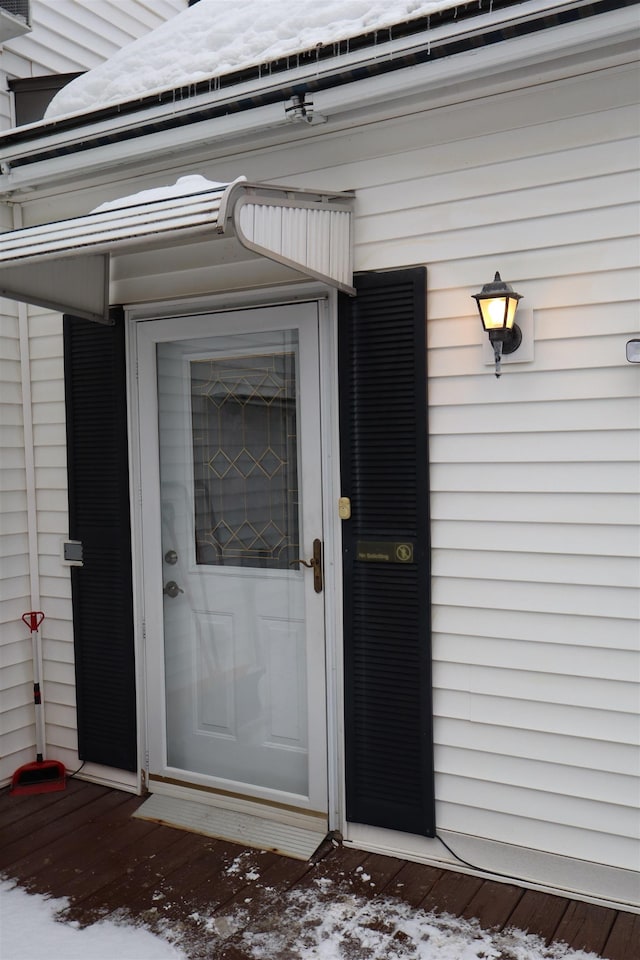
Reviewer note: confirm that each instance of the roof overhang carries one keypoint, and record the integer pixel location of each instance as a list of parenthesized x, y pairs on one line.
[(65, 265)]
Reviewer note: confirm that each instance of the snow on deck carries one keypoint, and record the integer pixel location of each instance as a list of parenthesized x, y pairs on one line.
[(110, 880), (350, 927)]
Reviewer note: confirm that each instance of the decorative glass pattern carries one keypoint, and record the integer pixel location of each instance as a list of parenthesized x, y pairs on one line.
[(245, 460)]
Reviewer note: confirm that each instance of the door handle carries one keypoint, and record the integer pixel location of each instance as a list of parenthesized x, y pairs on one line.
[(171, 589), (314, 564)]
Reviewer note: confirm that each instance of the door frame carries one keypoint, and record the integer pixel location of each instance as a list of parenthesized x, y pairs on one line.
[(329, 442)]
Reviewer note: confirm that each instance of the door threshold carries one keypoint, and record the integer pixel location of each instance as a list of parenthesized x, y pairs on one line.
[(246, 829), (240, 803)]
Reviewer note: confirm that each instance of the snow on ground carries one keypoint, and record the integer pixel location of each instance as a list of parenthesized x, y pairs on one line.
[(215, 37), (28, 930), (320, 924)]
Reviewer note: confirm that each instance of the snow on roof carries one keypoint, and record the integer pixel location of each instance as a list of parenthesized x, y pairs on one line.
[(183, 187), (215, 37)]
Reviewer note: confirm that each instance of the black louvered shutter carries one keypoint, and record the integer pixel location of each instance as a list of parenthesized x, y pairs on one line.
[(384, 465), (97, 460)]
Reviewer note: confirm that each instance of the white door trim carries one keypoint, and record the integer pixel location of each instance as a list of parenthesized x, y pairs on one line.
[(327, 301)]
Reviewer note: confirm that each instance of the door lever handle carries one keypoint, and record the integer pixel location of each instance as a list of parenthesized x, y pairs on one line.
[(314, 564)]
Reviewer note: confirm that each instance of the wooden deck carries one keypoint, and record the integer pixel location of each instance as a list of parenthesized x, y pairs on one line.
[(83, 844)]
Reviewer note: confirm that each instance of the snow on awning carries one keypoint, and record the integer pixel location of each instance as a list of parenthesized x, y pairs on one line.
[(64, 265)]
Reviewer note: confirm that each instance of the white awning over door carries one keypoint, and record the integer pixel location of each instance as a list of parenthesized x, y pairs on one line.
[(65, 265)]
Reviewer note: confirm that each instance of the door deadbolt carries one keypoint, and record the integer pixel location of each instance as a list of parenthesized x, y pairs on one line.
[(171, 557), (171, 589)]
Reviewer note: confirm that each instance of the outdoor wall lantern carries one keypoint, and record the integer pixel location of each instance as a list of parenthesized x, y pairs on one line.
[(497, 304)]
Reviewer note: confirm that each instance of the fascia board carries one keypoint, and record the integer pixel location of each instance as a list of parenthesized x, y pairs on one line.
[(539, 51), (166, 143)]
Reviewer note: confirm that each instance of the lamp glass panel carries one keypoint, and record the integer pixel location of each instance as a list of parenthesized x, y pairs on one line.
[(511, 312), (493, 312)]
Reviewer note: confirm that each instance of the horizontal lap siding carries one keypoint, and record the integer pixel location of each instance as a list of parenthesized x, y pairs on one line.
[(67, 36), (16, 676), (72, 35), (535, 477), (17, 728), (47, 394)]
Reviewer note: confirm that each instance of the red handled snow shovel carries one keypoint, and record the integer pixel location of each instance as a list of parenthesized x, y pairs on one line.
[(42, 776)]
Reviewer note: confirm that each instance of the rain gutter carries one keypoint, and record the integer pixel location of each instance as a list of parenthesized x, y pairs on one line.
[(59, 149), (352, 52)]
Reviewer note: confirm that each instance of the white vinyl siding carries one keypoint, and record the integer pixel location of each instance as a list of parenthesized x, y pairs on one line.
[(69, 36), (16, 677), (47, 397), (535, 476)]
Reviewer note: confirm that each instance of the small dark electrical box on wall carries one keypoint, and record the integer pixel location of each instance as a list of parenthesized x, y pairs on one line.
[(72, 553)]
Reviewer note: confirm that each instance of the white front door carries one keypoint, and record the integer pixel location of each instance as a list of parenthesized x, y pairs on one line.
[(231, 500)]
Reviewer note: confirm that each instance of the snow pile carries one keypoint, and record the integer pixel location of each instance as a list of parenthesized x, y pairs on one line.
[(28, 929), (215, 37)]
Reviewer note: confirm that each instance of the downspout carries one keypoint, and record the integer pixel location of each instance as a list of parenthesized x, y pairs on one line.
[(29, 462)]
